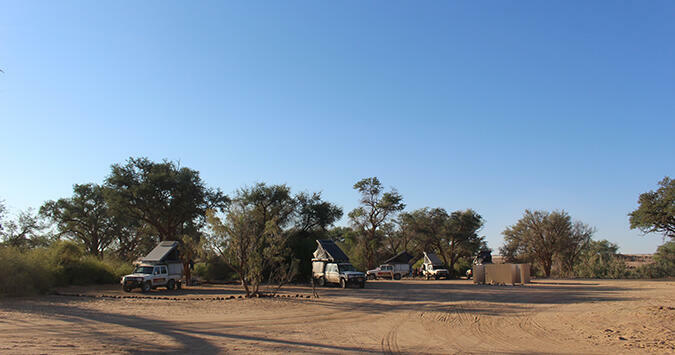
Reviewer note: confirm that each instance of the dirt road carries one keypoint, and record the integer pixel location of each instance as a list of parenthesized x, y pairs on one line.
[(409, 316)]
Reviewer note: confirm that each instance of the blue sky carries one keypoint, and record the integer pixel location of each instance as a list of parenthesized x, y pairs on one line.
[(498, 106)]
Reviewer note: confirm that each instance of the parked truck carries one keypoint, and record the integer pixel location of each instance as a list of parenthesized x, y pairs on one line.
[(433, 267), (331, 265), (162, 267), (387, 271), (394, 268)]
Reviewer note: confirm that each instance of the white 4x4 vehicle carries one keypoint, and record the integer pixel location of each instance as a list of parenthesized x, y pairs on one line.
[(385, 271), (147, 277)]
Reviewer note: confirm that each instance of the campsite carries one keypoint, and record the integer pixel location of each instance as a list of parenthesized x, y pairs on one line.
[(388, 316), (379, 177)]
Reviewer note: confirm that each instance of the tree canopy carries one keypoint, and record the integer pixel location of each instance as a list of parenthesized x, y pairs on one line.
[(376, 208), (656, 210), (85, 217), (541, 236), (164, 195)]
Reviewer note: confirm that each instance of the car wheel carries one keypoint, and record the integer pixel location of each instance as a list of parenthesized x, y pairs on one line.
[(397, 276), (145, 287), (171, 285), (371, 277), (343, 283), (322, 281), (126, 289), (436, 277)]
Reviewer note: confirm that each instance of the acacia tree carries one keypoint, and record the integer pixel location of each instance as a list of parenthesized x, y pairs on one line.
[(85, 217), (573, 244), (377, 208), (452, 236), (251, 238), (163, 195), (26, 231), (424, 228), (312, 219), (536, 236), (460, 237), (656, 211)]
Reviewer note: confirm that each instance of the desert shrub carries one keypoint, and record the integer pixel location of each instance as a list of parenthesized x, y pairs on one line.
[(37, 270), (24, 273), (600, 260), (663, 265), (214, 269)]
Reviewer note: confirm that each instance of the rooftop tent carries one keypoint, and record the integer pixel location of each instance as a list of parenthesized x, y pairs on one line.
[(327, 250), (401, 258), (431, 258), (165, 251)]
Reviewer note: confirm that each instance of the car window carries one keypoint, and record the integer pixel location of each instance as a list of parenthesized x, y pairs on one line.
[(156, 272), (163, 270)]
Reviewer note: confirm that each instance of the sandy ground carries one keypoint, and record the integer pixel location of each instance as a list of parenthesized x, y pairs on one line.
[(409, 316)]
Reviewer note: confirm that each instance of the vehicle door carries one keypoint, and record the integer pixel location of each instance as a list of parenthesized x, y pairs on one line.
[(159, 275), (332, 273)]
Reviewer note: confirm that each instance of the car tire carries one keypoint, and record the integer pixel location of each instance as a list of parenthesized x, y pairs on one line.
[(397, 276), (436, 277), (179, 285), (343, 283), (171, 285), (146, 287), (371, 277), (126, 289), (322, 281)]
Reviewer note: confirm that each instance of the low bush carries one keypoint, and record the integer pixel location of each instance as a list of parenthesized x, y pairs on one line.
[(214, 269), (27, 272)]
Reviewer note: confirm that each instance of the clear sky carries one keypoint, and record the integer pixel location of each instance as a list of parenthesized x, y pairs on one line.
[(499, 106)]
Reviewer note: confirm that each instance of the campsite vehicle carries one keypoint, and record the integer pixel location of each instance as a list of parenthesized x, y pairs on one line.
[(394, 268), (330, 265), (433, 267), (382, 272), (161, 268)]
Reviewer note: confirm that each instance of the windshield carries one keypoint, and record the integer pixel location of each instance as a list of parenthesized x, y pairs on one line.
[(346, 267), (143, 270)]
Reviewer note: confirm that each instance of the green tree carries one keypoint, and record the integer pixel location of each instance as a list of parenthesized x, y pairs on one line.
[(656, 210), (313, 217), (250, 239), (26, 231), (84, 217), (377, 208), (3, 213), (537, 237), (599, 259), (664, 259), (452, 236), (163, 195), (460, 237), (572, 244), (424, 229)]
